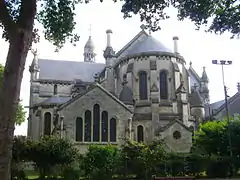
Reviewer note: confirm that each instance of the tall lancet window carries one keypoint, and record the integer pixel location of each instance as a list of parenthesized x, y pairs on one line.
[(79, 129), (163, 85), (143, 87), (47, 124), (113, 130), (104, 126), (96, 123), (88, 126), (140, 135), (55, 89)]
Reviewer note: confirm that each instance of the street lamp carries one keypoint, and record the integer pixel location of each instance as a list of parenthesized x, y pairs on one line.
[(223, 63)]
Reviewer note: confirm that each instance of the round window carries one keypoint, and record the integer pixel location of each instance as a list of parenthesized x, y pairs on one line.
[(176, 135)]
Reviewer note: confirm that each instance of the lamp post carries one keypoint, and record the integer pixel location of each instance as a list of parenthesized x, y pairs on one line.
[(223, 63)]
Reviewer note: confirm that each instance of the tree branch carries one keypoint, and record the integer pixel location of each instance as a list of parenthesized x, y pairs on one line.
[(5, 18)]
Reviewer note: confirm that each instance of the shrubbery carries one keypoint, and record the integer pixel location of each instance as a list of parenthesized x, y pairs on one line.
[(54, 157)]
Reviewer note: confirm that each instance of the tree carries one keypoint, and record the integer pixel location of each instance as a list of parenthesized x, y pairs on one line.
[(213, 137), (219, 16), (20, 114), (101, 162), (50, 152), (17, 20)]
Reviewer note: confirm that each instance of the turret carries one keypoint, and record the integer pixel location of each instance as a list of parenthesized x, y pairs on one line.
[(89, 54), (109, 56), (204, 91)]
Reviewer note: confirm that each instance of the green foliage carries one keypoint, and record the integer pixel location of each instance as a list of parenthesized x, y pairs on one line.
[(217, 16), (50, 152), (21, 114), (20, 149), (143, 160), (100, 162), (213, 137)]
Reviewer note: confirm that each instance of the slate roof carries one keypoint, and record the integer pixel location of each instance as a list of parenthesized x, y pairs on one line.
[(68, 70), (54, 100), (126, 95), (195, 99), (148, 45), (213, 108)]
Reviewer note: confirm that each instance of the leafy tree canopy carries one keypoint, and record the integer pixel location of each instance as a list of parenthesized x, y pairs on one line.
[(21, 114), (57, 17), (213, 138), (218, 16)]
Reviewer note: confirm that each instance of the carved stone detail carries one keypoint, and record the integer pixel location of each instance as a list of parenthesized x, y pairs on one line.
[(154, 88)]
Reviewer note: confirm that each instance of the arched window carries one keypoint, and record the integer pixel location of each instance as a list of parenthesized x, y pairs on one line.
[(143, 87), (79, 129), (96, 123), (88, 126), (104, 126), (55, 89), (113, 130), (163, 85), (47, 124), (140, 135)]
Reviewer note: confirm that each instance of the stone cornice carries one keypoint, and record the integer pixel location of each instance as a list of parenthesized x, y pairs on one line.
[(178, 57)]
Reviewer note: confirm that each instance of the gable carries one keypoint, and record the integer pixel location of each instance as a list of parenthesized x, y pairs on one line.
[(97, 94), (177, 136)]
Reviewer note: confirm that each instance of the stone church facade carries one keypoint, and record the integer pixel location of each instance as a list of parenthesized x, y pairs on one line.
[(143, 92)]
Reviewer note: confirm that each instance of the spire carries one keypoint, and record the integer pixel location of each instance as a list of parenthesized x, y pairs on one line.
[(204, 77), (89, 54)]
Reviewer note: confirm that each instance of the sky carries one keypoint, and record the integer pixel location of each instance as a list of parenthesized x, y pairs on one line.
[(196, 46)]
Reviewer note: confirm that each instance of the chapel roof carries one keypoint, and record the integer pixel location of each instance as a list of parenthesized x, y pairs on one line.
[(148, 45), (68, 70)]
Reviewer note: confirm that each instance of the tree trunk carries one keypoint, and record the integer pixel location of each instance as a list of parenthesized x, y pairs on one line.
[(9, 96)]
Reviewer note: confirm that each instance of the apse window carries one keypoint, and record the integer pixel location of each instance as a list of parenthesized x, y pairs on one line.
[(176, 135)]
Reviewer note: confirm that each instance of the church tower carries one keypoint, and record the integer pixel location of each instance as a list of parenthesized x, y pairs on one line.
[(89, 54)]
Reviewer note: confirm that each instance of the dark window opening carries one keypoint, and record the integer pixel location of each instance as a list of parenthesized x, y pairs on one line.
[(88, 126), (163, 85), (47, 124), (79, 129), (96, 123), (140, 135), (104, 126), (55, 89), (143, 87), (113, 130)]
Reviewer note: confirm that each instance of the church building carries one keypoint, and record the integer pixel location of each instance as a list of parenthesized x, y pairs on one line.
[(142, 92)]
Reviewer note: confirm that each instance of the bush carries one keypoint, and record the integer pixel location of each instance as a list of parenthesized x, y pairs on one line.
[(217, 167)]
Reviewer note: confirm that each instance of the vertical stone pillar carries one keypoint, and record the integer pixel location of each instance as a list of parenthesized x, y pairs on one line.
[(154, 92)]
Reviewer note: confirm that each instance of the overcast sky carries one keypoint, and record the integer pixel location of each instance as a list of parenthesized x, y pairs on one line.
[(196, 46)]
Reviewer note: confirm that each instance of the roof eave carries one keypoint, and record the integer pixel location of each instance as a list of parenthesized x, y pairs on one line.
[(151, 53)]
